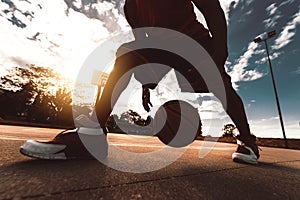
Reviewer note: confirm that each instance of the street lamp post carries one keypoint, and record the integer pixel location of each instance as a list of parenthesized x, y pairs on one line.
[(257, 40)]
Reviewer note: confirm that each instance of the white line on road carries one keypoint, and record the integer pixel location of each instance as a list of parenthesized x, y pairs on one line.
[(11, 138), (30, 129)]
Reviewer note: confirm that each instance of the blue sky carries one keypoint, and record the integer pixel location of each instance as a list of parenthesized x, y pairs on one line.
[(258, 94), (60, 35)]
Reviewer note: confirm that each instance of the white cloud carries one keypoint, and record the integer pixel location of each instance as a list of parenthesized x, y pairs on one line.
[(288, 32), (265, 59), (3, 6), (271, 128), (225, 4), (271, 9), (212, 109), (248, 2), (274, 14), (251, 75), (54, 37), (249, 12), (286, 2), (271, 22), (239, 70)]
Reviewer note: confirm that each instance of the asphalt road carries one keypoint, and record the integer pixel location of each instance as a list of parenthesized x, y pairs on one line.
[(214, 176)]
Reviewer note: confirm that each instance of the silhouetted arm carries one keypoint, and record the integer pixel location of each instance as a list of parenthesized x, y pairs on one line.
[(216, 22)]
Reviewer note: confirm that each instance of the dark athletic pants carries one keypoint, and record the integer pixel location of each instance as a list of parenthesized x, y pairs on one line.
[(122, 73)]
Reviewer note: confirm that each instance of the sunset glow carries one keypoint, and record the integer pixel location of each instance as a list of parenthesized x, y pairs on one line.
[(54, 35)]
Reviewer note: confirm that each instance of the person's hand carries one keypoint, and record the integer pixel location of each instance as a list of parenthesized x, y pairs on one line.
[(146, 98)]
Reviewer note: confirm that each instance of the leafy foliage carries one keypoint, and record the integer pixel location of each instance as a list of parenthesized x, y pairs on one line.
[(133, 117), (34, 93), (129, 121), (228, 130)]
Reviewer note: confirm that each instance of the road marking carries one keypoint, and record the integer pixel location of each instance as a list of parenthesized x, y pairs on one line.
[(11, 138), (16, 138), (29, 129)]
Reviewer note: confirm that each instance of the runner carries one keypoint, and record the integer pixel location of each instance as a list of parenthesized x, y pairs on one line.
[(176, 15)]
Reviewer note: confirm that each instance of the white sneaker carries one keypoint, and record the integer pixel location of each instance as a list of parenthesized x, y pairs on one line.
[(247, 152), (69, 144)]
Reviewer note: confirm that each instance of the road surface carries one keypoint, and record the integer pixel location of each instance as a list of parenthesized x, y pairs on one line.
[(214, 176)]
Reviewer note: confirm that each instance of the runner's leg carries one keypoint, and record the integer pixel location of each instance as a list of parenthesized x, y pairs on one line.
[(234, 107), (111, 93), (232, 104)]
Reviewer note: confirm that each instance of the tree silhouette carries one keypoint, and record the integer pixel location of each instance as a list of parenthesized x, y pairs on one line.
[(228, 130), (34, 92), (133, 117), (62, 103), (112, 123), (131, 122)]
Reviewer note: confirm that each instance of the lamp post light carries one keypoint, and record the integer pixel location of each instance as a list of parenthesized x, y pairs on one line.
[(258, 40)]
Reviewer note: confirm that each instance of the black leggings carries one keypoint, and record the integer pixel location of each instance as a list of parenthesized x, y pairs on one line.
[(122, 73)]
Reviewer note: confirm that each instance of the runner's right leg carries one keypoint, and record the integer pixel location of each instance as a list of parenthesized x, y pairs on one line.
[(121, 75)]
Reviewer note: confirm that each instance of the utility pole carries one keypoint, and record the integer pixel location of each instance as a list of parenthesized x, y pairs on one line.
[(257, 40)]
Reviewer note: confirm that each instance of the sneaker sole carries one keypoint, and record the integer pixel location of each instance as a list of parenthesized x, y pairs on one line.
[(242, 158), (60, 156)]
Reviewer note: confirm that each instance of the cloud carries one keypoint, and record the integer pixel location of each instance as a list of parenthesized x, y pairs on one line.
[(249, 105), (274, 14), (251, 75), (271, 22), (226, 6), (265, 59), (104, 11), (286, 2), (54, 36), (212, 109), (288, 32), (270, 127), (271, 9), (239, 72)]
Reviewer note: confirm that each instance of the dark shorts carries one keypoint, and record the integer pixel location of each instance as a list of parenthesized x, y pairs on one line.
[(188, 78)]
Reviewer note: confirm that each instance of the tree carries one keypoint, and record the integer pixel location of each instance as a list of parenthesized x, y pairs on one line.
[(228, 130), (62, 104), (15, 103), (133, 117), (111, 123), (38, 93), (17, 91)]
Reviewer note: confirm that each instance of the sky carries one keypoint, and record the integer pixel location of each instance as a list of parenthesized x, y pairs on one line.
[(62, 34)]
